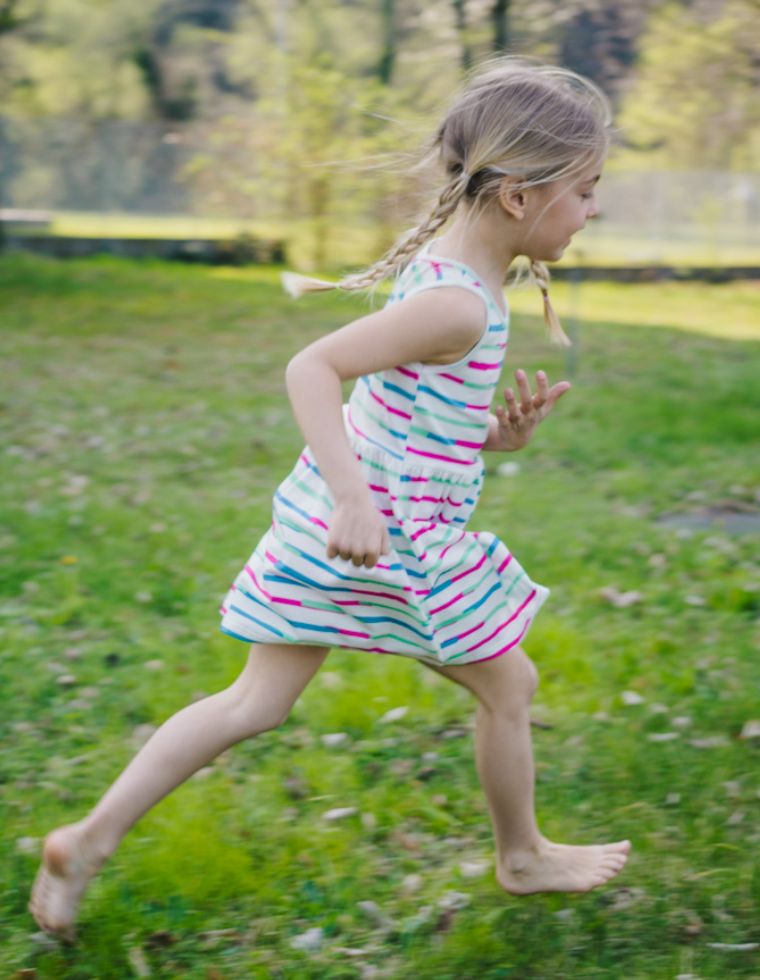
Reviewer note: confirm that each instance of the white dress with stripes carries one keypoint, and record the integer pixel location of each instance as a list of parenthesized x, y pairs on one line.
[(445, 595)]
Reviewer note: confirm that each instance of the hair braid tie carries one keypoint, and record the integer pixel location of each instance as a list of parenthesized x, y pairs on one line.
[(556, 333)]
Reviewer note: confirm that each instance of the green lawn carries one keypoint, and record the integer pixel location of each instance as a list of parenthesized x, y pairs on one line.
[(145, 425)]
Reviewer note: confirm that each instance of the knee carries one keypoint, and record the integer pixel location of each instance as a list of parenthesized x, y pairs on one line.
[(532, 679), (517, 685), (254, 712)]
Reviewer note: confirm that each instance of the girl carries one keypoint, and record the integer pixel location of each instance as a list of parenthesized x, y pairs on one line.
[(368, 547)]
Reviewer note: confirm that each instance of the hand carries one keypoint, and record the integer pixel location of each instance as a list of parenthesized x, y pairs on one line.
[(517, 423), (357, 531)]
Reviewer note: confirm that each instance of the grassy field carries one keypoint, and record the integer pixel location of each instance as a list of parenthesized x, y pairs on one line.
[(145, 426)]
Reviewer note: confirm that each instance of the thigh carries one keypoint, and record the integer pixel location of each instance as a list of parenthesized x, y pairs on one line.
[(510, 678), (276, 674)]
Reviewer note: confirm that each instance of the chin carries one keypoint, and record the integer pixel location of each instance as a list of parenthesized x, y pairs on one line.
[(553, 255)]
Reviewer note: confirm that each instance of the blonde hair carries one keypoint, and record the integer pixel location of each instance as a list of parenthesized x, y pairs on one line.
[(537, 123)]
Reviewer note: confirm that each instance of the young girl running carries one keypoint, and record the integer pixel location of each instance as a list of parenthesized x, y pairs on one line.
[(369, 548)]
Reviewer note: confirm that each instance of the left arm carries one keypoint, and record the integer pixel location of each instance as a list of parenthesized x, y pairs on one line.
[(512, 427)]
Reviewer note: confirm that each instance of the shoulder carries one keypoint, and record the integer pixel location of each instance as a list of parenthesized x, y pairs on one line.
[(454, 317), (433, 325)]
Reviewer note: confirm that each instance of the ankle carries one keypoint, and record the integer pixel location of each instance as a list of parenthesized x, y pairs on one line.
[(521, 857), (93, 845)]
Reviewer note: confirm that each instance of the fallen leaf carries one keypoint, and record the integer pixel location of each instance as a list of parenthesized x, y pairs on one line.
[(735, 947), (395, 714), (375, 914), (138, 962), (333, 739), (339, 812), (474, 869), (454, 900), (711, 742), (411, 883), (309, 941), (620, 599), (750, 729), (631, 697)]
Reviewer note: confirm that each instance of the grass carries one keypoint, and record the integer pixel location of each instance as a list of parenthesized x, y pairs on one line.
[(145, 426)]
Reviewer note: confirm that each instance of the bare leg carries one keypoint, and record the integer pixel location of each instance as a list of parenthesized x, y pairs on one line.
[(259, 700), (526, 861)]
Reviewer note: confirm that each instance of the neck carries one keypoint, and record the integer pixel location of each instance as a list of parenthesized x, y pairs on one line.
[(483, 243)]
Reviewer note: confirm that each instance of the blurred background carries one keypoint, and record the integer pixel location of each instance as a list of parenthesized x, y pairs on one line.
[(292, 123)]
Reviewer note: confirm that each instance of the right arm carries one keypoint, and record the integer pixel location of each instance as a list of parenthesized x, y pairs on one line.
[(437, 325)]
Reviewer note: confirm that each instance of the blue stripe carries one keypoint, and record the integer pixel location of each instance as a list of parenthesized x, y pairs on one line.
[(400, 391), (260, 622), (443, 398)]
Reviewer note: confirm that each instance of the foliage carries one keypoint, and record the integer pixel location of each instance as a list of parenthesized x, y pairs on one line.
[(694, 99)]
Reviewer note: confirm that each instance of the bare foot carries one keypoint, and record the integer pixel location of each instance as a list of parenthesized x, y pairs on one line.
[(552, 867), (62, 879)]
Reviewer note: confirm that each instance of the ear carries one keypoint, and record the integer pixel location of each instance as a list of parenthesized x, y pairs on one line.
[(512, 199)]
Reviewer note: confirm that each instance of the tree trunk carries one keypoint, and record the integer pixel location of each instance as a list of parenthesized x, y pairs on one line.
[(465, 54), (388, 57), (500, 18)]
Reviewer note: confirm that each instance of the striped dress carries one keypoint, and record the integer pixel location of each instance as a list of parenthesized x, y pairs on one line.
[(444, 595)]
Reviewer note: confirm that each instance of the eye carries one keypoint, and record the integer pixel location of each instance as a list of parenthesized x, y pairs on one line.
[(588, 195)]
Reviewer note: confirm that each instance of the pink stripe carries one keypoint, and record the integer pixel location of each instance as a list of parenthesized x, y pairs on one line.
[(512, 643), (319, 523), (504, 564), (453, 543), (448, 459), (258, 584), (482, 365), (223, 610), (407, 372), (380, 595), (447, 604), (363, 636), (422, 531), (469, 570), (471, 630), (480, 407), (375, 486), (505, 624), (451, 377), (417, 479), (353, 425), (469, 445), (396, 411), (288, 602)]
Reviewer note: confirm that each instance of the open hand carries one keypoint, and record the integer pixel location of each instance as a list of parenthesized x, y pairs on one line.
[(517, 422)]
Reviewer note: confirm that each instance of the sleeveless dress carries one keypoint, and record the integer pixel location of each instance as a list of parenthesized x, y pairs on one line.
[(444, 595)]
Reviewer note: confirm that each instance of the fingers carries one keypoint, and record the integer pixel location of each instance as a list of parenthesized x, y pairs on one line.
[(558, 390), (358, 554), (512, 410), (526, 403), (542, 395)]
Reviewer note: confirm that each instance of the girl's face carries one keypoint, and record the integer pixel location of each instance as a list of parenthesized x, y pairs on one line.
[(558, 211)]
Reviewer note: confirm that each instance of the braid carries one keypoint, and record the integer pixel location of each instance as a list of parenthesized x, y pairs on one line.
[(541, 277), (396, 257), (446, 205)]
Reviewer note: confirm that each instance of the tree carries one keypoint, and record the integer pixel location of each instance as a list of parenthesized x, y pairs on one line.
[(694, 99)]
